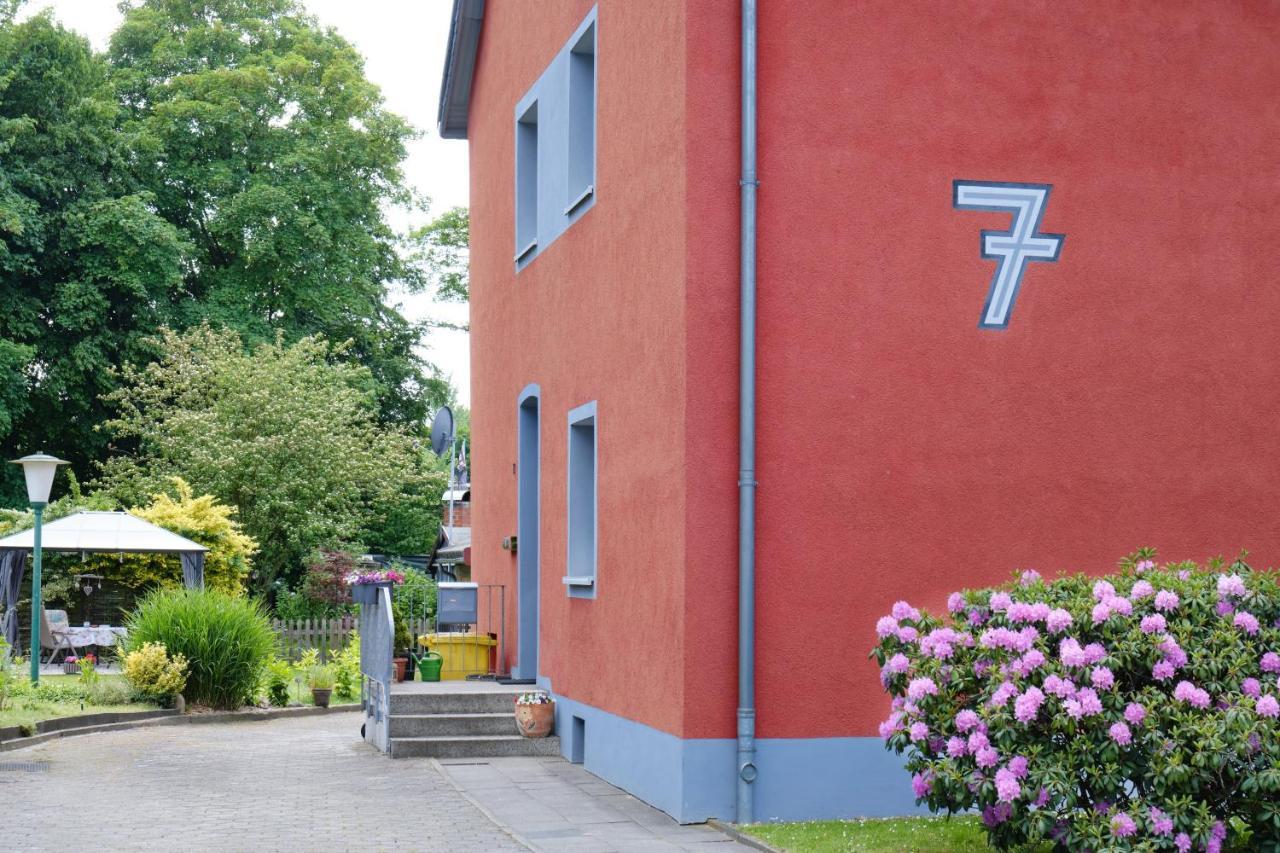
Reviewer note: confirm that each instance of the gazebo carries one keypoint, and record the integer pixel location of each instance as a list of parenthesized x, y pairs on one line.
[(90, 533)]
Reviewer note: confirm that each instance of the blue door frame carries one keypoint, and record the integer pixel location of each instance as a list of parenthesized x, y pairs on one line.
[(528, 519)]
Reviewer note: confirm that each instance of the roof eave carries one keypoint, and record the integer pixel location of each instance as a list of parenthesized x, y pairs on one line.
[(459, 68)]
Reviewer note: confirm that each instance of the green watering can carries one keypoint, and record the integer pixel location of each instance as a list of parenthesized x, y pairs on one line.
[(429, 666)]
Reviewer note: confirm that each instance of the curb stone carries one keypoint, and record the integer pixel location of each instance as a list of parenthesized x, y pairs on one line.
[(170, 718), (741, 837)]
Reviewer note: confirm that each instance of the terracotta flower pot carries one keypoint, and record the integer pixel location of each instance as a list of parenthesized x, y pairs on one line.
[(401, 664), (320, 696), (535, 720)]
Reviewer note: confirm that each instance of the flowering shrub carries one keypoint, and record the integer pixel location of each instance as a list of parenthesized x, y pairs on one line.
[(1139, 711), (155, 674), (379, 576)]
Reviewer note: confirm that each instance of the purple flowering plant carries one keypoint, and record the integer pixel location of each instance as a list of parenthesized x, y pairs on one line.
[(1066, 714)]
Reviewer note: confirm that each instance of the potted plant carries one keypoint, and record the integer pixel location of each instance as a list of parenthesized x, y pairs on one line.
[(365, 584), (71, 665), (401, 642), (535, 714), (321, 679)]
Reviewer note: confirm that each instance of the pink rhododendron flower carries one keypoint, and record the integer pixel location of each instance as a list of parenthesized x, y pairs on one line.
[(1231, 585), (1094, 652), (1172, 652), (886, 626), (956, 747), (1267, 706), (1225, 608), (1006, 691), (901, 610), (1163, 671), (1166, 600), (978, 741), (1101, 612), (1144, 566), (1027, 706), (966, 720), (976, 618), (1029, 577), (921, 784), (907, 634), (986, 758), (1251, 687), (1135, 713), (955, 602), (1120, 605), (1018, 766), (1271, 662), (1057, 621), (1019, 612), (1122, 826), (1161, 823), (891, 726), (1071, 654), (1103, 678), (1000, 601), (1194, 696), (920, 688), (1120, 734), (1153, 624), (997, 814), (918, 732), (1007, 787), (1246, 622), (1033, 659), (1061, 687), (1042, 799), (1183, 842), (1184, 575), (1141, 590), (1103, 590)]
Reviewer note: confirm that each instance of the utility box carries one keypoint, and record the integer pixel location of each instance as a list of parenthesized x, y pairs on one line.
[(456, 604)]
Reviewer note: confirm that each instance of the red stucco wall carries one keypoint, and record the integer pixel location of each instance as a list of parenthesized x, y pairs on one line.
[(903, 451), (597, 316)]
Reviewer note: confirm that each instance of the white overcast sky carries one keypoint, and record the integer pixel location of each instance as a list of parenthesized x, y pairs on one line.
[(403, 42)]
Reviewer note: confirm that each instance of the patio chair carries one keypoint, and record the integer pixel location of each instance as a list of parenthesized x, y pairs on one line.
[(54, 634)]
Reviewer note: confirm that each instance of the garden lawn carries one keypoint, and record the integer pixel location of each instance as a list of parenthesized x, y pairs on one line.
[(26, 709), (913, 834)]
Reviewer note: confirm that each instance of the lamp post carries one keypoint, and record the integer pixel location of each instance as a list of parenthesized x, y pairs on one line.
[(39, 469)]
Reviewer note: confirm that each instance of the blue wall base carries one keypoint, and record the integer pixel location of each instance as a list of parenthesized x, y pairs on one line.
[(693, 779)]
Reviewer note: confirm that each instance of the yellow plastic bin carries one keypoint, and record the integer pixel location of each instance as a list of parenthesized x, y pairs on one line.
[(464, 654)]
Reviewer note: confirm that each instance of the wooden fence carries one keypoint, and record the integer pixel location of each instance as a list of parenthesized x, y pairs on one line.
[(328, 636)]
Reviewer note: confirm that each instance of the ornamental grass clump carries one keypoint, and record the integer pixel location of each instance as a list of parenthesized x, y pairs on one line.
[(1137, 711), (226, 640)]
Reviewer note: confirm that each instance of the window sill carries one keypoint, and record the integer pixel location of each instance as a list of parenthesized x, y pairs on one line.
[(524, 253), (577, 202), (585, 581)]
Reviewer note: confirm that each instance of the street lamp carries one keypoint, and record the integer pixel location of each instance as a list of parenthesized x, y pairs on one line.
[(39, 469)]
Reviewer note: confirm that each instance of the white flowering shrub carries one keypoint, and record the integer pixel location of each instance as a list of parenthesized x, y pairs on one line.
[(1134, 712)]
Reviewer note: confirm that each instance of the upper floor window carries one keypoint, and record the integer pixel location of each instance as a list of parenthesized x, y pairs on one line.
[(582, 119), (527, 182)]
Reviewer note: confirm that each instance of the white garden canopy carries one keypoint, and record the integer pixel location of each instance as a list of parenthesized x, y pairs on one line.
[(91, 533)]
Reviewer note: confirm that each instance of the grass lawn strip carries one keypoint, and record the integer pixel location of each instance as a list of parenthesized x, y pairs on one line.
[(914, 834)]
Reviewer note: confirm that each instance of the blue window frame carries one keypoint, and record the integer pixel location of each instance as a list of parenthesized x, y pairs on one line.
[(581, 575)]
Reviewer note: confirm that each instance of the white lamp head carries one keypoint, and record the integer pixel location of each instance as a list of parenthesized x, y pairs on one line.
[(39, 469)]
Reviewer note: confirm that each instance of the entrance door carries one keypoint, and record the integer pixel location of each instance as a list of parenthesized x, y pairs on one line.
[(528, 512)]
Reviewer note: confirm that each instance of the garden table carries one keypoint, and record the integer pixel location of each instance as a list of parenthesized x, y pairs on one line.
[(94, 635)]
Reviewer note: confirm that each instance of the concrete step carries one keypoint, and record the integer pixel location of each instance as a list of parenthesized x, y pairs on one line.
[(452, 725), (474, 702), (473, 747)]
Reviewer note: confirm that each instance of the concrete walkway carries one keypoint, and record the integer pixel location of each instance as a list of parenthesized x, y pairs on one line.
[(305, 784), (552, 805)]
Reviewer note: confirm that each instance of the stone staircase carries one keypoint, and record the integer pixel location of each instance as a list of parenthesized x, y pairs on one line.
[(470, 724)]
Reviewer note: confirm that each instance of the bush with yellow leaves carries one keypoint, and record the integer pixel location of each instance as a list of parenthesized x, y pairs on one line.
[(153, 673)]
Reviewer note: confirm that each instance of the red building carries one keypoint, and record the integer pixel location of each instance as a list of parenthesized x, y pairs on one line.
[(1016, 308)]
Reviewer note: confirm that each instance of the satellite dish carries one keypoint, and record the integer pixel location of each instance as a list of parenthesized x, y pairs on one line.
[(442, 430)]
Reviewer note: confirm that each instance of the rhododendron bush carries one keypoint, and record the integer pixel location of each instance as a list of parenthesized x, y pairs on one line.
[(1137, 711)]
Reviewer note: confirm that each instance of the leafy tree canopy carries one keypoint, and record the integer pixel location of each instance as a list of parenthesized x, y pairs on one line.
[(289, 433), (442, 249)]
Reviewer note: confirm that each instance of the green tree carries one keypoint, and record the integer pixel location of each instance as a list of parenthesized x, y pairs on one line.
[(288, 433), (87, 266), (264, 143), (441, 250)]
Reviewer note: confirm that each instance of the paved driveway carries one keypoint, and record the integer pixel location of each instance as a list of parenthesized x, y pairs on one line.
[(309, 783), (306, 783)]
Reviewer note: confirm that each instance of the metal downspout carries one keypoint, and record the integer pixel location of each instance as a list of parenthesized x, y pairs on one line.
[(746, 767)]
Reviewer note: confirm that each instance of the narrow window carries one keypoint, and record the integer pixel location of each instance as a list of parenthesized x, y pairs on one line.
[(582, 119), (581, 575), (527, 182)]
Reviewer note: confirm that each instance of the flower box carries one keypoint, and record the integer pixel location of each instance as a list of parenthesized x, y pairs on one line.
[(367, 593)]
